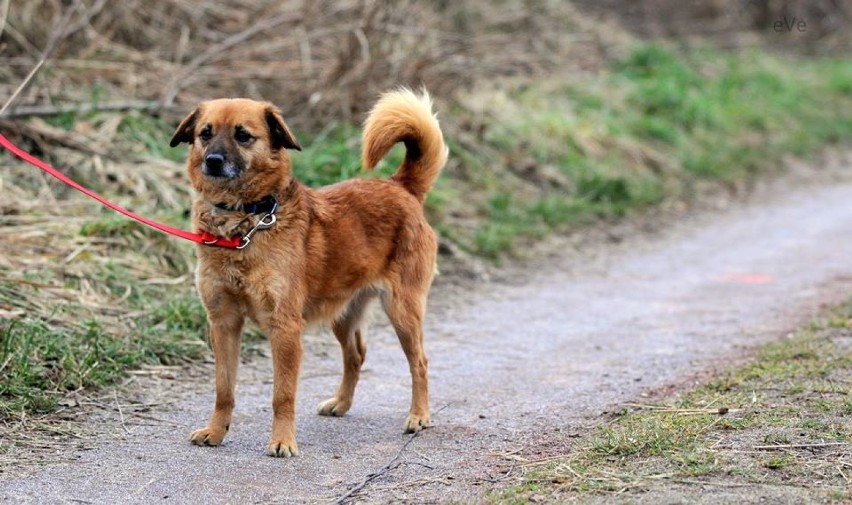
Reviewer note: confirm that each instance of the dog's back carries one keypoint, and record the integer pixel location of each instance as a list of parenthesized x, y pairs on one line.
[(368, 232)]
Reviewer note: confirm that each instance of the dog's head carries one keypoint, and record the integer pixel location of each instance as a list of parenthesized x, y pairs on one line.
[(236, 144)]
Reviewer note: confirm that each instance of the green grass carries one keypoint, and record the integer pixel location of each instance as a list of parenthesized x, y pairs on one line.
[(149, 136), (42, 362), (334, 155), (793, 392), (654, 126)]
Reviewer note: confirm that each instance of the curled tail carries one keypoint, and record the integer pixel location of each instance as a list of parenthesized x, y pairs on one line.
[(402, 116)]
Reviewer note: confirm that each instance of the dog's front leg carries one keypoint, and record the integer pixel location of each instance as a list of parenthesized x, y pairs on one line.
[(226, 325), (286, 341)]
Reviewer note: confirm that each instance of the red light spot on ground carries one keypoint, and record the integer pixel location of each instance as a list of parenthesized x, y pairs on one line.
[(749, 278)]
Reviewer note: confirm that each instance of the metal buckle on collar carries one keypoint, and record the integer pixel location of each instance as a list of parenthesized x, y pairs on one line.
[(265, 222)]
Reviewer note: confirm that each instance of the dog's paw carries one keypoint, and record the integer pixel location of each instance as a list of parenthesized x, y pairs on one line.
[(208, 436), (415, 423), (334, 407), (282, 449)]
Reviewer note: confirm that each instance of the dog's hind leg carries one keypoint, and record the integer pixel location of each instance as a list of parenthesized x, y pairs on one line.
[(406, 308), (348, 329)]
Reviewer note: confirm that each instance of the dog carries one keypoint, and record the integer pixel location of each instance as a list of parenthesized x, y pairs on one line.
[(328, 253)]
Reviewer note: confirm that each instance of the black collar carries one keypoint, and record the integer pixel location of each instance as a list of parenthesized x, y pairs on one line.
[(266, 205)]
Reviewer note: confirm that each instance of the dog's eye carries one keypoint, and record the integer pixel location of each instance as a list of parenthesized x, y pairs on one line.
[(206, 134), (242, 136)]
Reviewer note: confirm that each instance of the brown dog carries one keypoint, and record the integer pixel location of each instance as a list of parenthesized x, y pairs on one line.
[(329, 253)]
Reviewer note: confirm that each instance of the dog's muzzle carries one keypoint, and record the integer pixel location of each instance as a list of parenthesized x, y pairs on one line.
[(215, 165)]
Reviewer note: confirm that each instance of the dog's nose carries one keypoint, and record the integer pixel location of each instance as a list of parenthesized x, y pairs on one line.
[(214, 162)]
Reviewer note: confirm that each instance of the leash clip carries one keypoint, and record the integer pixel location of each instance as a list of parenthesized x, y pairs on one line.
[(265, 222)]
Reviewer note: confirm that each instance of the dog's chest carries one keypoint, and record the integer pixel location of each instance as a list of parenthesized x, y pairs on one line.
[(231, 273), (255, 280)]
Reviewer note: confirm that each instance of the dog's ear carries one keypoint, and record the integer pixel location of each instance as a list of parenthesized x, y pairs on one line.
[(279, 134), (186, 130)]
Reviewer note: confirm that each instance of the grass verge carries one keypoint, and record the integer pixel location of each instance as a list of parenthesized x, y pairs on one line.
[(658, 125), (781, 424)]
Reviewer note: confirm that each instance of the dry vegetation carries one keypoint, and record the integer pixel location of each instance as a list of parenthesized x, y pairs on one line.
[(320, 61)]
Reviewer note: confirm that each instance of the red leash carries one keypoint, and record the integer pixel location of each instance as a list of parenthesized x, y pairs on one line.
[(202, 238)]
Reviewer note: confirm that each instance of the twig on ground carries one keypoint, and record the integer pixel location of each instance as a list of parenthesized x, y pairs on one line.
[(797, 446), (534, 462), (134, 414), (711, 483), (120, 412), (672, 410), (392, 464), (424, 465), (436, 412), (575, 474), (510, 454), (413, 483)]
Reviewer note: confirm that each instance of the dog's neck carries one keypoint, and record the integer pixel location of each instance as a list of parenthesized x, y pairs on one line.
[(266, 205), (231, 216)]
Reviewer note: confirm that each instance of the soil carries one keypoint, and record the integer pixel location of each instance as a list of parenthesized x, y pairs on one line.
[(519, 364)]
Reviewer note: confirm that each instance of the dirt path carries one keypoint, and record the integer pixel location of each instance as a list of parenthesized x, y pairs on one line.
[(513, 370)]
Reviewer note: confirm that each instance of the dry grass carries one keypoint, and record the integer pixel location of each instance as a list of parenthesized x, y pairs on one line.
[(317, 60), (59, 248)]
